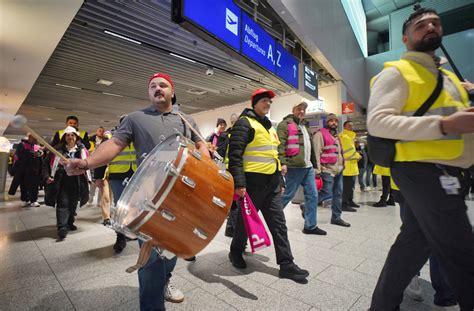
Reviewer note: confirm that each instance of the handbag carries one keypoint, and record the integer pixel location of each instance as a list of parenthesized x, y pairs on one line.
[(382, 150), (258, 236)]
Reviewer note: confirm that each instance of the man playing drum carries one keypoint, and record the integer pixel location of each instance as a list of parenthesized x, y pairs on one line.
[(147, 128)]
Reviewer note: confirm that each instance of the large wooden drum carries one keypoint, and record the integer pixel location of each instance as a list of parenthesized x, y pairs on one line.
[(177, 198)]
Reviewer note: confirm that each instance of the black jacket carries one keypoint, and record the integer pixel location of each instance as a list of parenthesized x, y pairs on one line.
[(52, 190), (241, 135)]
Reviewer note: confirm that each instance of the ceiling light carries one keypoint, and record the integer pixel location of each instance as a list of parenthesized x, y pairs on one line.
[(243, 78), (182, 57), (112, 94), (69, 86), (105, 82), (122, 37)]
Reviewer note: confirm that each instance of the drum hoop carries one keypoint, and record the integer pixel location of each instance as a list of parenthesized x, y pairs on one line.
[(170, 186)]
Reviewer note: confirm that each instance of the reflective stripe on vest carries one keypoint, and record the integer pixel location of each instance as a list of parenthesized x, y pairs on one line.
[(261, 154), (421, 84), (126, 159), (292, 144), (329, 155)]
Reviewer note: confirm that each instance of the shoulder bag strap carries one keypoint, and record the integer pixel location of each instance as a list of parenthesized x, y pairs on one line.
[(433, 97)]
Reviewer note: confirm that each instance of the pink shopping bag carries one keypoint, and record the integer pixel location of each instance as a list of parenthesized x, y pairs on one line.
[(254, 226)]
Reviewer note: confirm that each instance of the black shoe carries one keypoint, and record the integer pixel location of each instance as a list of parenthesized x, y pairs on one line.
[(293, 272), (62, 233), (120, 243), (348, 209), (340, 222), (391, 201), (229, 232), (380, 204), (316, 231), (354, 204), (106, 222), (192, 259), (72, 227), (237, 260)]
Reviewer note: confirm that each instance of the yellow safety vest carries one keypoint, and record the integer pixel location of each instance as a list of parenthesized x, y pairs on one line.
[(421, 84), (261, 154), (380, 170), (125, 159), (351, 156)]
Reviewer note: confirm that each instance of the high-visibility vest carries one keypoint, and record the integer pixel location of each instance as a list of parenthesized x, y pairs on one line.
[(261, 154), (329, 155), (351, 156), (292, 144), (125, 159), (382, 171), (81, 134), (421, 83)]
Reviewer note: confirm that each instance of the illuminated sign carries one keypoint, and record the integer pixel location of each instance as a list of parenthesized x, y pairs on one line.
[(225, 21), (219, 18), (308, 81)]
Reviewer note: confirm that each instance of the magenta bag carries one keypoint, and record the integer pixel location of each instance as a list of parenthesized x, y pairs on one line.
[(254, 226)]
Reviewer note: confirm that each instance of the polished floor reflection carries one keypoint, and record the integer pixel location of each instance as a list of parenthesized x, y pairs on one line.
[(84, 273)]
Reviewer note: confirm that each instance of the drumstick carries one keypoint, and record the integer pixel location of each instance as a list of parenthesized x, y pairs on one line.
[(20, 121), (191, 127)]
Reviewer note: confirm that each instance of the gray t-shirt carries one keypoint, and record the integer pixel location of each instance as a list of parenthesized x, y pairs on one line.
[(148, 127)]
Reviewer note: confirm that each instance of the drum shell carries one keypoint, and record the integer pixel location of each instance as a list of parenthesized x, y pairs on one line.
[(193, 208)]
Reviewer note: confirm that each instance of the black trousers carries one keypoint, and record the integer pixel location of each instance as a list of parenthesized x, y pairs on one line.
[(67, 202), (29, 188), (267, 200), (348, 183), (386, 188), (434, 223), (232, 217)]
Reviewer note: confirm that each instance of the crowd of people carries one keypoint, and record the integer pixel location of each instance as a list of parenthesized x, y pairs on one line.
[(433, 154)]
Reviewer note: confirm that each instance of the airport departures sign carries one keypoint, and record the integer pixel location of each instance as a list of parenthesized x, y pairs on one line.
[(225, 21)]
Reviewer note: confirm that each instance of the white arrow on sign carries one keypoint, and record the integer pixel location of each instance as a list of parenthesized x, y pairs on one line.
[(294, 71)]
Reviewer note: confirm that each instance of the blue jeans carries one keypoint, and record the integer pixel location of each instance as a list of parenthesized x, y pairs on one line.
[(370, 176), (332, 190), (152, 279), (305, 177), (117, 188), (361, 178)]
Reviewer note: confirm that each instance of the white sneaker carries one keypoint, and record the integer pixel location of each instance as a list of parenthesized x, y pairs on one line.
[(327, 204), (367, 188), (25, 203), (35, 204), (172, 294), (414, 290)]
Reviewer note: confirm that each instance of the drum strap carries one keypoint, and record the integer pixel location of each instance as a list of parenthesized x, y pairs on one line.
[(145, 252)]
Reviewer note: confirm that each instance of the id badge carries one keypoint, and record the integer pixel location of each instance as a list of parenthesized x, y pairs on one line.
[(450, 184)]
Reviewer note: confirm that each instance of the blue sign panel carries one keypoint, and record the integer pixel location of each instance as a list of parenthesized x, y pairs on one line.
[(220, 18), (257, 44), (286, 66)]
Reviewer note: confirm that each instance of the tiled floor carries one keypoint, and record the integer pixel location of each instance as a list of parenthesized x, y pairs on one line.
[(83, 273)]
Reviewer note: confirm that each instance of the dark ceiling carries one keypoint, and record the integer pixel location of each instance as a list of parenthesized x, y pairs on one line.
[(86, 54)]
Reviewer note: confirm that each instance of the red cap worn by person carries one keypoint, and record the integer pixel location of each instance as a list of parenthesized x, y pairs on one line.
[(259, 94), (167, 78)]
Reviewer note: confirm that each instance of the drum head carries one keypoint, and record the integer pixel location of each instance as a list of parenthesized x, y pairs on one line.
[(146, 182)]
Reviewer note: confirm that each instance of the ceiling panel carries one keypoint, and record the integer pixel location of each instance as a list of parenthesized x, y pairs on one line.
[(86, 54)]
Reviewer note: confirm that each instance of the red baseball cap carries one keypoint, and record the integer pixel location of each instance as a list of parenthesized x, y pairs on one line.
[(261, 91), (161, 75)]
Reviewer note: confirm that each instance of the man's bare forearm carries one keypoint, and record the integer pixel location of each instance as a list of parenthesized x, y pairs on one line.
[(106, 152)]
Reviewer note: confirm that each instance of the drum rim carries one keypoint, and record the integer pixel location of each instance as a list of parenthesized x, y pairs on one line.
[(119, 214), (170, 186)]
